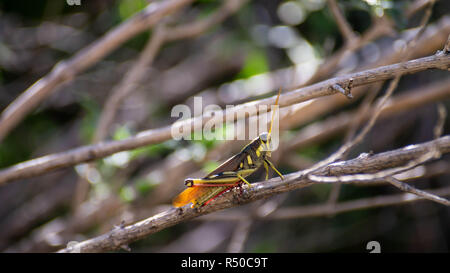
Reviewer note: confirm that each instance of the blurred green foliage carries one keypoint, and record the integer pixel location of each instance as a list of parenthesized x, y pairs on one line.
[(91, 111), (128, 8), (255, 63), (210, 166), (14, 149)]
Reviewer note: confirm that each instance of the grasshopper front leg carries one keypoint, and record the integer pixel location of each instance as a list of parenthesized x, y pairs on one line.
[(273, 167), (266, 167)]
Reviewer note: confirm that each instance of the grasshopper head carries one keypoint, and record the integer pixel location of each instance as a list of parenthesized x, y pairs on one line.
[(189, 182), (265, 141), (264, 137)]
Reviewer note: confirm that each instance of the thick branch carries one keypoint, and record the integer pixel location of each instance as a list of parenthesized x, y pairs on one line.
[(326, 209), (120, 237)]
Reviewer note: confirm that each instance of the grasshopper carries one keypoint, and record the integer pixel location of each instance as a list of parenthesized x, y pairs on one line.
[(231, 173)]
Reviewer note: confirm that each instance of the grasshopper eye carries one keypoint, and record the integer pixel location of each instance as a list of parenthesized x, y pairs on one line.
[(189, 182), (264, 136)]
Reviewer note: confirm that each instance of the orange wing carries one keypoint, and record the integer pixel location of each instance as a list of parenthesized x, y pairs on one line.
[(200, 195), (189, 195)]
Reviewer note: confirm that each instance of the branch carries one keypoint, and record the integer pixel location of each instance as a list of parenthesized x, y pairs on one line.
[(387, 175), (416, 6), (65, 71), (431, 41), (381, 27), (123, 236), (129, 83), (408, 188), (324, 130), (442, 115), (91, 152), (326, 209), (342, 23), (198, 27)]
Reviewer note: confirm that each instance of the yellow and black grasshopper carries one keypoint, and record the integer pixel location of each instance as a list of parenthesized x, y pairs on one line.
[(231, 173)]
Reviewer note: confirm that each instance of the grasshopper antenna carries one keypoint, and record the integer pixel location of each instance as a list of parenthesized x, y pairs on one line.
[(273, 113), (267, 163)]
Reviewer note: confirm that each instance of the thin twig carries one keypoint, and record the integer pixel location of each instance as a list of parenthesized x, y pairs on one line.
[(368, 178), (129, 83), (416, 6), (380, 27), (350, 144), (408, 188), (193, 29), (342, 23), (239, 236), (363, 109), (442, 114), (334, 194)]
